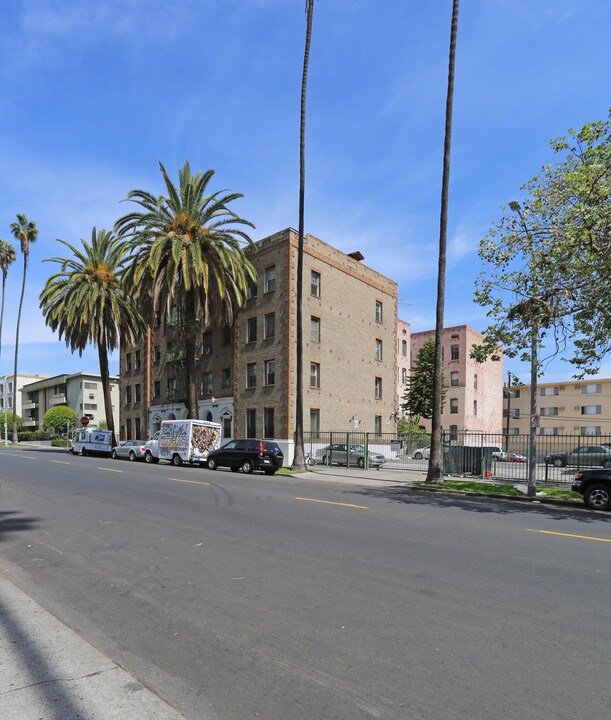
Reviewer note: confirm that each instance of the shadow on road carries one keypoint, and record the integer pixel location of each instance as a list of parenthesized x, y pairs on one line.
[(496, 506), (11, 521)]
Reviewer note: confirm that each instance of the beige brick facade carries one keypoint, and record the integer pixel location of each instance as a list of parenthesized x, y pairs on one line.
[(349, 328)]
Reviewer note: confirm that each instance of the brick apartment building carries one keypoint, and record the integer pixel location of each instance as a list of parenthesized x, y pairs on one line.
[(246, 373), (474, 391)]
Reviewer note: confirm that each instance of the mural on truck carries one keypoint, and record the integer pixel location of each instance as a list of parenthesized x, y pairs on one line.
[(173, 436), (205, 439)]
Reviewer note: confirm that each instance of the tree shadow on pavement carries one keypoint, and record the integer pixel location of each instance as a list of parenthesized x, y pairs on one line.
[(12, 521), (497, 506)]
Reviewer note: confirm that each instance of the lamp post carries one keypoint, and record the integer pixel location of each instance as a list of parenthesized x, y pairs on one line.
[(534, 362)]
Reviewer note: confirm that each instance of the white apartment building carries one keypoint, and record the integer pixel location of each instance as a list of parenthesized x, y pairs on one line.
[(10, 397)]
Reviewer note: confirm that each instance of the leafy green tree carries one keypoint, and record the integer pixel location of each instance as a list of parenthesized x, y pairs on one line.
[(87, 302), (7, 257), (102, 425), (419, 387), (7, 418), (435, 469), (299, 454), (187, 253), (57, 418), (548, 263), (26, 232)]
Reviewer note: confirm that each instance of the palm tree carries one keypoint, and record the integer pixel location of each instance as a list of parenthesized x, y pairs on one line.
[(7, 257), (187, 253), (435, 470), (26, 232), (87, 302), (299, 455)]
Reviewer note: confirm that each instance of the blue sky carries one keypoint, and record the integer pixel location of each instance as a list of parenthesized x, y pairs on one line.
[(94, 94)]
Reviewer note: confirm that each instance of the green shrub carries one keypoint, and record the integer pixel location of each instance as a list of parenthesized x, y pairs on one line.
[(60, 442), (40, 435)]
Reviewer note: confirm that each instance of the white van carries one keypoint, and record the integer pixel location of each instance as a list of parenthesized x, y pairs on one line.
[(184, 441)]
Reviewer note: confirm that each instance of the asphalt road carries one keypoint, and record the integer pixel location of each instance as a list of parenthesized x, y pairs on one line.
[(238, 596)]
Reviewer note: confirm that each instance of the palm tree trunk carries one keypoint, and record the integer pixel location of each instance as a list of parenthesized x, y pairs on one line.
[(190, 361), (25, 269), (105, 375), (435, 470), (2, 311), (299, 455)]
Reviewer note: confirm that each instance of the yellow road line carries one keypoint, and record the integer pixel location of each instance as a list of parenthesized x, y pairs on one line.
[(193, 482), (329, 502), (60, 462), (110, 470), (580, 537)]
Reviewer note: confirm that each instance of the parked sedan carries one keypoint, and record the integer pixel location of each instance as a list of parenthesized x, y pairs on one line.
[(130, 450), (422, 453), (598, 455), (344, 455), (247, 455)]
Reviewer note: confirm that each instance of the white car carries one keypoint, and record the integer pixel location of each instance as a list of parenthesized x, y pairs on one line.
[(422, 453)]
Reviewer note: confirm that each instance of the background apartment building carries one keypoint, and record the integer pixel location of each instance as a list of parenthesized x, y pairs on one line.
[(575, 407), (10, 396), (80, 391), (403, 360), (474, 390), (246, 373)]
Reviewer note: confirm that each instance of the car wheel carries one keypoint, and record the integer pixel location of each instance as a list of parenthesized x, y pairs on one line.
[(607, 463), (148, 457), (212, 464), (270, 472), (418, 456), (361, 462), (113, 454), (247, 467), (176, 460), (132, 456), (558, 462), (598, 496)]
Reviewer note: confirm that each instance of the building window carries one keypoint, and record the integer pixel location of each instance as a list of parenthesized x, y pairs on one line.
[(454, 352), (270, 326), (171, 388), (157, 355), (251, 423), (454, 406), (403, 376), (590, 431), (138, 392), (138, 428), (270, 279), (377, 424), (475, 408), (548, 411), (227, 335), (475, 381), (314, 329), (315, 284), (226, 378), (251, 330), (226, 427), (454, 379), (314, 422), (206, 383), (91, 386), (207, 342), (137, 359), (404, 348), (128, 394), (547, 391), (591, 389), (378, 311), (251, 375), (378, 388), (453, 433), (251, 290), (378, 349), (128, 362), (270, 372), (268, 423), (128, 429), (90, 406), (590, 409), (314, 375), (157, 390)]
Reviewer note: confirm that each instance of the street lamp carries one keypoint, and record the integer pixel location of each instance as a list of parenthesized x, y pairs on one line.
[(534, 362)]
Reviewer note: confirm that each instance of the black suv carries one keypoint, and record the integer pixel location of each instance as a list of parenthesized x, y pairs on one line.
[(595, 486), (249, 455)]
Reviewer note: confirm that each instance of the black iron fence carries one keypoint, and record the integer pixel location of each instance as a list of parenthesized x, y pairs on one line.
[(484, 455)]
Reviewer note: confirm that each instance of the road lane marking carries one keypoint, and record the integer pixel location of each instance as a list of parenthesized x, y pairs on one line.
[(110, 470), (330, 502), (192, 482), (60, 462), (579, 537)]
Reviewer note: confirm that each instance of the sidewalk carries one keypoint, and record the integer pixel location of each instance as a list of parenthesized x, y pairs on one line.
[(48, 672)]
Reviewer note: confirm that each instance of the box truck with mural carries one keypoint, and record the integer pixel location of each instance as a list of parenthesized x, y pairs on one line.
[(182, 441), (87, 441)]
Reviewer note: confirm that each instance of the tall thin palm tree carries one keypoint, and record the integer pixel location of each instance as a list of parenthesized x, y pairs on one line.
[(26, 232), (435, 470), (7, 257), (299, 455), (187, 253), (87, 302)]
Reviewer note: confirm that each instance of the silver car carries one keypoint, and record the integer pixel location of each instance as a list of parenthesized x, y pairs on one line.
[(130, 450), (351, 454)]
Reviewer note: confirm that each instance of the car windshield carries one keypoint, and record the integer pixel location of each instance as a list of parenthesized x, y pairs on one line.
[(357, 448)]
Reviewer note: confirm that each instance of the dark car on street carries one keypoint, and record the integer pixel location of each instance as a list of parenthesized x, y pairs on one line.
[(247, 455), (595, 487)]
